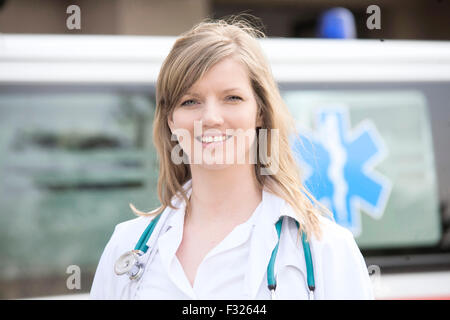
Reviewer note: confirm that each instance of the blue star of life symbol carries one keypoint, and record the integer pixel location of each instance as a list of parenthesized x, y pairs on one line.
[(338, 166)]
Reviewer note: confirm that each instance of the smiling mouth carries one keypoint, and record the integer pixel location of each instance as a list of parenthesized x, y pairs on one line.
[(211, 139)]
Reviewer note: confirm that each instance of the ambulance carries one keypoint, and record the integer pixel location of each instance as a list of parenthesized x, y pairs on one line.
[(76, 148)]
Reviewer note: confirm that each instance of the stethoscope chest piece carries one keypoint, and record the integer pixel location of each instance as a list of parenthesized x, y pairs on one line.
[(129, 263)]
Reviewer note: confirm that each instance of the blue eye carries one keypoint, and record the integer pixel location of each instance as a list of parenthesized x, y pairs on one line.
[(234, 98), (187, 102)]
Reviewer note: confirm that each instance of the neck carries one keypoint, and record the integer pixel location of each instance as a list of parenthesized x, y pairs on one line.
[(230, 194)]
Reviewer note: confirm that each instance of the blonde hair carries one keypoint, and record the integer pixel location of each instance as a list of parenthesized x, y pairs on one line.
[(191, 56)]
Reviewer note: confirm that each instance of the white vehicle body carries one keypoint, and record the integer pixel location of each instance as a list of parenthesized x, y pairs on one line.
[(60, 60)]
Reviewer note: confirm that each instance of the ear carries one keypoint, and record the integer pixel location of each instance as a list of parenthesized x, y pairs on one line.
[(170, 123)]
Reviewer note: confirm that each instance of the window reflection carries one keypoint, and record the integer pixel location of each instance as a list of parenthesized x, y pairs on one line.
[(70, 164)]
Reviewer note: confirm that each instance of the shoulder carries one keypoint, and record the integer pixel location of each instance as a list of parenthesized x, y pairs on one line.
[(129, 231), (336, 242), (341, 265), (132, 224), (124, 237), (333, 233), (334, 239)]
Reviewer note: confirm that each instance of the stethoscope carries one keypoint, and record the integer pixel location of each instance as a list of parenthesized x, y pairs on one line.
[(130, 262)]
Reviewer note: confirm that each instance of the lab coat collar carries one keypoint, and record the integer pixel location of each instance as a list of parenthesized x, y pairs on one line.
[(169, 242), (262, 242), (172, 228), (172, 237), (175, 222), (276, 207), (178, 214), (265, 239)]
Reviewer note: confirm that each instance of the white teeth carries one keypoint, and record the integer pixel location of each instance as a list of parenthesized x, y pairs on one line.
[(210, 139)]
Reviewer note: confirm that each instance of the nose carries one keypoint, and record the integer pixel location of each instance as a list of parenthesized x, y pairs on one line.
[(212, 114)]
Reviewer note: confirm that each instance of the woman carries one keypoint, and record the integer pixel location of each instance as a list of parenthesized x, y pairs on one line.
[(235, 221)]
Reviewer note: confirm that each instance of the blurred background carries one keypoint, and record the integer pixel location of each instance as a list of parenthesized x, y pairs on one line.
[(77, 96), (401, 19)]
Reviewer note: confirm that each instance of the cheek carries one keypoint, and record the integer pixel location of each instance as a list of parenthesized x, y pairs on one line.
[(245, 120), (183, 128), (182, 121)]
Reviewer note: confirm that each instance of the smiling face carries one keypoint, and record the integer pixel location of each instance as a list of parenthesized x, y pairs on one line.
[(215, 120)]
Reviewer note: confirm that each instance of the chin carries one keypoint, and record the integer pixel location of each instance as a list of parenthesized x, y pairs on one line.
[(215, 167)]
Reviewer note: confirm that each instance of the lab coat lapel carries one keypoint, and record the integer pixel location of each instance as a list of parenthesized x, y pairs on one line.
[(265, 238), (263, 242), (290, 253), (169, 240), (168, 245)]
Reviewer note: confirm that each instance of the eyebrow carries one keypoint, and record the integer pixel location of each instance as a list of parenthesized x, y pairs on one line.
[(231, 89), (224, 91), (188, 93)]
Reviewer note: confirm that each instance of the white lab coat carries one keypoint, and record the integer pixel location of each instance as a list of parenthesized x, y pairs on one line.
[(339, 268)]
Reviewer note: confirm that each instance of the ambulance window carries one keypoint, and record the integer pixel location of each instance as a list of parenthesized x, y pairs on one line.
[(71, 162), (368, 155)]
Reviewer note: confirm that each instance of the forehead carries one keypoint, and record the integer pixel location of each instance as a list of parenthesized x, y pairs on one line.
[(226, 74)]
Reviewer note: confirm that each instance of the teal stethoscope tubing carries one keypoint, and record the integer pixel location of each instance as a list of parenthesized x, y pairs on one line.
[(142, 243), (271, 280)]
